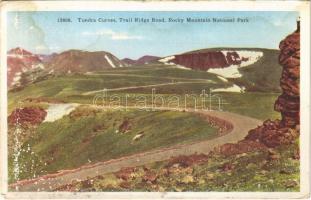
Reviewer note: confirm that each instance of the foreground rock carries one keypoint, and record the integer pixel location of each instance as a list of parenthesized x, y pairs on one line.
[(30, 115), (274, 133), (288, 102)]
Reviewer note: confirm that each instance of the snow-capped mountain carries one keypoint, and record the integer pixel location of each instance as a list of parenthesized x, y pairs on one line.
[(20, 61)]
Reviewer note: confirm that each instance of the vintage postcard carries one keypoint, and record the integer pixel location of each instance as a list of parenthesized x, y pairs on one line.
[(163, 100)]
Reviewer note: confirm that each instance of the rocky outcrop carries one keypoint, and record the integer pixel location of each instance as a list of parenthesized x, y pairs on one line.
[(288, 102), (243, 146), (125, 126), (207, 60), (27, 115), (20, 61), (202, 61), (273, 133), (286, 130)]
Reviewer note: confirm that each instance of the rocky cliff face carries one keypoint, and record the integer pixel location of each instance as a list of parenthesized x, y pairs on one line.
[(286, 130), (20, 61), (288, 102), (202, 61), (27, 115), (206, 59)]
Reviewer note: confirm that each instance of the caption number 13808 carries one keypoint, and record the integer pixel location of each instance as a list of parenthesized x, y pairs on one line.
[(61, 19)]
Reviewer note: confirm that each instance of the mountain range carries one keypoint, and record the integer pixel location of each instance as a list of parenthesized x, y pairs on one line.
[(226, 63)]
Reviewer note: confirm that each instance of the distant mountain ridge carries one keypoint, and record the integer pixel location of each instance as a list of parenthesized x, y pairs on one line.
[(83, 61), (45, 58), (140, 61), (252, 68), (19, 61)]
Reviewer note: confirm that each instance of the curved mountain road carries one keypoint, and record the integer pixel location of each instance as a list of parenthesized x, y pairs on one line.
[(144, 86), (241, 126)]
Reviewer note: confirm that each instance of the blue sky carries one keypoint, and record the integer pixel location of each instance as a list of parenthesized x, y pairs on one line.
[(40, 32)]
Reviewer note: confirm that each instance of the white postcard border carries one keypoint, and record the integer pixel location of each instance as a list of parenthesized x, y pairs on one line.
[(300, 6)]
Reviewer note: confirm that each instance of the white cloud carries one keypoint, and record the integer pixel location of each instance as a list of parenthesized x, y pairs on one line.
[(113, 35), (45, 49)]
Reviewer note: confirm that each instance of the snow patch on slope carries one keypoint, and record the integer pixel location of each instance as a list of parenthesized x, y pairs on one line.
[(228, 72), (182, 67), (234, 88), (16, 78), (222, 78), (253, 57), (16, 56), (110, 62), (57, 111), (232, 71), (167, 60), (117, 61), (38, 66)]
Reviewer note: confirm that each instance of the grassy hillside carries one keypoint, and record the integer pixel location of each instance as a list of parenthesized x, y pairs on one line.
[(72, 88), (261, 76), (80, 137), (264, 75), (90, 135)]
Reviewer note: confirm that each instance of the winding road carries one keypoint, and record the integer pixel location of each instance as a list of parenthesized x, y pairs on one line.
[(240, 127), (145, 86)]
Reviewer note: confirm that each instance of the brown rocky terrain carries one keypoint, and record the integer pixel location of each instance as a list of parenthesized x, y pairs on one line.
[(207, 60), (19, 60), (27, 115), (288, 102), (45, 58)]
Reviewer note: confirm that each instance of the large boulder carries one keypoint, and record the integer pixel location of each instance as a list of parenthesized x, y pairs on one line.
[(27, 115), (288, 103), (286, 130)]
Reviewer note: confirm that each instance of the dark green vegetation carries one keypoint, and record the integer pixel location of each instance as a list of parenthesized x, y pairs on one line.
[(257, 105), (90, 135), (255, 171)]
